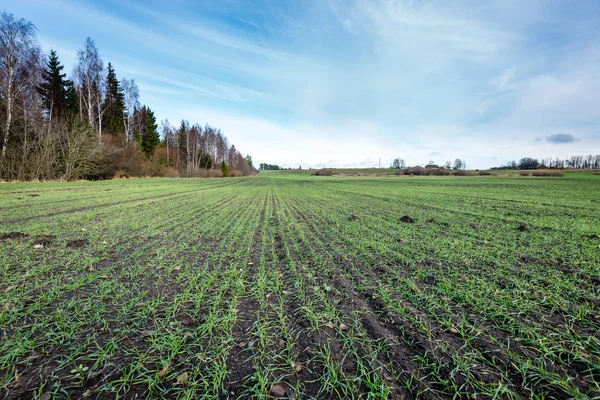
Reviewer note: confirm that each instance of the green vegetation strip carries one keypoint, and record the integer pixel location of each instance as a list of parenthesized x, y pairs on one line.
[(293, 286)]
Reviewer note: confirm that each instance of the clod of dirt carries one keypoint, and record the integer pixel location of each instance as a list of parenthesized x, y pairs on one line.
[(281, 343), (523, 228), (278, 390), (38, 246), (402, 240), (592, 236), (353, 218), (45, 239), (407, 219), (344, 327), (430, 280), (14, 235), (76, 244)]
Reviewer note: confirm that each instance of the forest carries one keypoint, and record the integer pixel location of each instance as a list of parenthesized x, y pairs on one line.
[(89, 124), (574, 162)]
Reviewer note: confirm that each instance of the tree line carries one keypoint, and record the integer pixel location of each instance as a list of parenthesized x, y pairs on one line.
[(574, 162), (271, 167), (90, 124), (458, 164)]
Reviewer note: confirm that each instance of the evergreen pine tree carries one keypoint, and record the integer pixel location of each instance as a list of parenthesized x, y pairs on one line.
[(114, 105), (146, 131), (54, 87)]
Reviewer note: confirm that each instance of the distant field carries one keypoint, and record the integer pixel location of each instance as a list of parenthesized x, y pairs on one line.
[(294, 286)]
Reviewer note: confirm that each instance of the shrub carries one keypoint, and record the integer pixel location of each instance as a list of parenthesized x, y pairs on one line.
[(438, 171), (462, 172), (486, 173), (524, 173), (412, 171), (207, 173), (323, 172), (548, 173)]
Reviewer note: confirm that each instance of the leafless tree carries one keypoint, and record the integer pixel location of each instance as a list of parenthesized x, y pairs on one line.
[(19, 49), (88, 76), (131, 96)]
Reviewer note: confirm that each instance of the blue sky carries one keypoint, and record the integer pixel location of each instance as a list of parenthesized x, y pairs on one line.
[(349, 82)]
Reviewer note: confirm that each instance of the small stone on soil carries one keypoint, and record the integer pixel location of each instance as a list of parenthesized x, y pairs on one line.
[(182, 378), (344, 327), (38, 246), (278, 390), (297, 367), (329, 325)]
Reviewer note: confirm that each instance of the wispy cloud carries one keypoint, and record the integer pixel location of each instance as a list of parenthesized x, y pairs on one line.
[(354, 80), (560, 138)]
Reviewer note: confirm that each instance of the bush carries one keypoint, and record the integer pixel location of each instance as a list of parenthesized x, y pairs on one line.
[(412, 171), (548, 173), (462, 172), (207, 173), (524, 173), (438, 172), (486, 173), (323, 172)]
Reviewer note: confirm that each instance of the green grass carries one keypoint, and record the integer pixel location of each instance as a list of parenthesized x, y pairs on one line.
[(242, 287)]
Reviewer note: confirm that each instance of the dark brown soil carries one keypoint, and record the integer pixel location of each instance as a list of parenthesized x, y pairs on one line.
[(407, 219), (13, 235), (77, 243)]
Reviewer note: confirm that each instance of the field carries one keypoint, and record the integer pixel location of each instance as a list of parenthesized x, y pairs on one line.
[(293, 286)]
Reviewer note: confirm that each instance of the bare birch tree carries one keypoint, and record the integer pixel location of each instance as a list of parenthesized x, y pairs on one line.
[(131, 96), (88, 76), (18, 48)]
